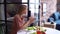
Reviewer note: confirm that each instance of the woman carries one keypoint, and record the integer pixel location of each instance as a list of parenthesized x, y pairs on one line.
[(19, 23)]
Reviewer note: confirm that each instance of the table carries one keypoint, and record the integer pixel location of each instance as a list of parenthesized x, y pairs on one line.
[(48, 24), (49, 31), (52, 31)]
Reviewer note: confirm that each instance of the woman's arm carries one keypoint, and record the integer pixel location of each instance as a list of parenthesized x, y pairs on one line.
[(30, 21), (24, 25)]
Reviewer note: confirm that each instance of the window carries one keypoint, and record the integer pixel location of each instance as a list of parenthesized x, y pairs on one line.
[(24, 0), (13, 1), (34, 8), (44, 9), (8, 10), (2, 18), (32, 1), (1, 1), (2, 12)]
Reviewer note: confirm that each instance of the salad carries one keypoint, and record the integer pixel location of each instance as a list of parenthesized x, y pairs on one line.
[(41, 29), (34, 28), (31, 28)]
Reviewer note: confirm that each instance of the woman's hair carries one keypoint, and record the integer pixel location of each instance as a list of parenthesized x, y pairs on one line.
[(21, 8)]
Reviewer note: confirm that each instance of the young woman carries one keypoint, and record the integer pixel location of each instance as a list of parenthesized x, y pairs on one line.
[(19, 23)]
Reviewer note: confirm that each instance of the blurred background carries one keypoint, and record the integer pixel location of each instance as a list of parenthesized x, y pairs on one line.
[(46, 11)]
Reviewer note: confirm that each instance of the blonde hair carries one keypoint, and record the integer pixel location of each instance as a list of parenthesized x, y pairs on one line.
[(21, 8)]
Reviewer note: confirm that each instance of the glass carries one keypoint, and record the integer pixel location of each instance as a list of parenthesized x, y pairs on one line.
[(1, 1), (38, 30), (13, 1), (24, 0)]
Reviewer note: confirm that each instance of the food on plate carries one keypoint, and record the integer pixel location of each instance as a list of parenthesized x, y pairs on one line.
[(31, 28), (39, 30)]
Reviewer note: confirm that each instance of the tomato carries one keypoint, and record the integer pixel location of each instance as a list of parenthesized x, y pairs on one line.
[(38, 32)]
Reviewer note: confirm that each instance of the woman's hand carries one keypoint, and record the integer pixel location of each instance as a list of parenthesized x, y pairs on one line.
[(31, 19)]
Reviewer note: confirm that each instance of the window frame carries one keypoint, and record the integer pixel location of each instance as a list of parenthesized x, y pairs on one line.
[(5, 7)]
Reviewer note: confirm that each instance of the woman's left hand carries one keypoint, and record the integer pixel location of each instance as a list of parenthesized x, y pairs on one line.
[(31, 19)]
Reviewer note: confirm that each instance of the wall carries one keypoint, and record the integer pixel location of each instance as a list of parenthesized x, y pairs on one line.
[(51, 8)]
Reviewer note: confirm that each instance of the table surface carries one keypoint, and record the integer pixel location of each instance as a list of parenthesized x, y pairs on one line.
[(48, 31)]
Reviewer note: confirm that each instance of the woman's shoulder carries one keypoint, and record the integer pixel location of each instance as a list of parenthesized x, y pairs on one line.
[(17, 18)]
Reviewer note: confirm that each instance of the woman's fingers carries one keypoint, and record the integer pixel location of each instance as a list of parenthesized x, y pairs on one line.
[(31, 19)]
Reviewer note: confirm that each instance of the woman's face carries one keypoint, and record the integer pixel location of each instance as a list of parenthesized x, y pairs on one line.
[(24, 11)]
